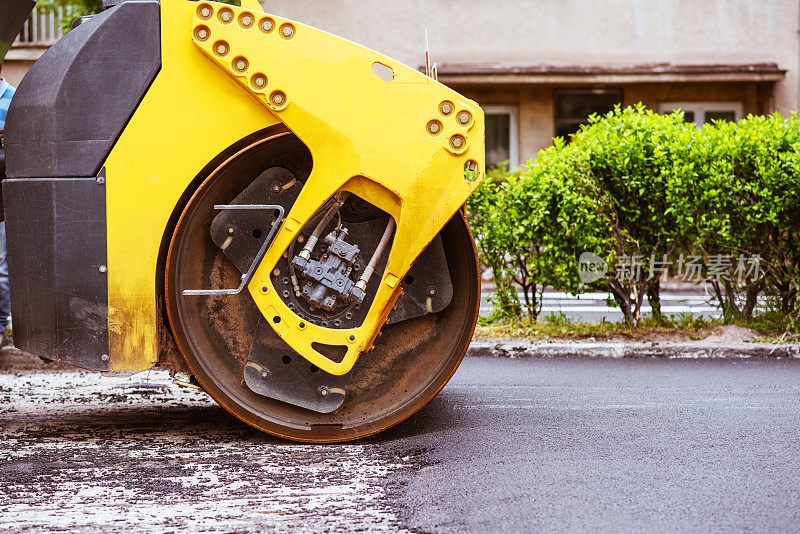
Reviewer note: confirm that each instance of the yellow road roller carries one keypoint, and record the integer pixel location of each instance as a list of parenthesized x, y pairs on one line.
[(273, 210)]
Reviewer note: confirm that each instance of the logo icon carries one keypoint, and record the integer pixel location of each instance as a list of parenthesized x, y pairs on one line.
[(591, 267)]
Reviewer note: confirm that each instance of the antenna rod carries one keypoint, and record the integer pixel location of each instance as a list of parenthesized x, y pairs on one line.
[(427, 55)]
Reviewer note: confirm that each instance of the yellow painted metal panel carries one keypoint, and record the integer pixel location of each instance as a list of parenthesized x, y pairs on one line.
[(192, 112), (374, 127)]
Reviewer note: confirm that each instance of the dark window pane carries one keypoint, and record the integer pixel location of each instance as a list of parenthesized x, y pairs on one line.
[(498, 141), (720, 116), (574, 107), (565, 129), (579, 105)]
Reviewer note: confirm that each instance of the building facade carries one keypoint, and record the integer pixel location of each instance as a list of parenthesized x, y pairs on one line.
[(540, 67)]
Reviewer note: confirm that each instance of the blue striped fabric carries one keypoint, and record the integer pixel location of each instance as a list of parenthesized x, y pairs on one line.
[(6, 92)]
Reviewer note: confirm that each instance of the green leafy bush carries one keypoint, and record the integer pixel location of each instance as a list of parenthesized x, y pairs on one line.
[(531, 226), (604, 193), (492, 224), (743, 199), (637, 190), (630, 156)]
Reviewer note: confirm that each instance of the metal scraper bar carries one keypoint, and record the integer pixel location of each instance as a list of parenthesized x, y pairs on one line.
[(263, 250)]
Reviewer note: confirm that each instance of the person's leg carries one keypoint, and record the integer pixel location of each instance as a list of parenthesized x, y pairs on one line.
[(5, 292)]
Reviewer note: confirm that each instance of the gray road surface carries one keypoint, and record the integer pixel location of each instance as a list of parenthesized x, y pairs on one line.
[(509, 446), (593, 307)]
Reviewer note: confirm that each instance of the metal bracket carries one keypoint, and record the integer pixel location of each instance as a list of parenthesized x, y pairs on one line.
[(262, 251)]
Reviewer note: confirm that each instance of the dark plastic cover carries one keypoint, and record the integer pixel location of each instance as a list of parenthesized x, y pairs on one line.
[(56, 235), (75, 101)]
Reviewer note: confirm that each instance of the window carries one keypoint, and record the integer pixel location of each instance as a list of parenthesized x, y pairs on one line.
[(501, 135), (703, 112), (574, 107)]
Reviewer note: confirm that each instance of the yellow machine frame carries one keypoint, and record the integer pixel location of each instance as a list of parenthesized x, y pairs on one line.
[(374, 127)]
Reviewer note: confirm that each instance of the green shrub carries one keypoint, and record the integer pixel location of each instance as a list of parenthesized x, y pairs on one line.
[(73, 9), (637, 187), (531, 226), (742, 200), (632, 156), (604, 193), (492, 224)]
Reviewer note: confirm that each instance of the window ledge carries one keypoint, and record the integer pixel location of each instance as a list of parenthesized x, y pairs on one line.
[(592, 74)]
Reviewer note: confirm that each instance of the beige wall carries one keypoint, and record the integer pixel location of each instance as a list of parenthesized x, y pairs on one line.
[(535, 121), (568, 32), (13, 71)]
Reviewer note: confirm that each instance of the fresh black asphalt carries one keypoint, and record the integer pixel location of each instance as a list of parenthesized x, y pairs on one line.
[(608, 445)]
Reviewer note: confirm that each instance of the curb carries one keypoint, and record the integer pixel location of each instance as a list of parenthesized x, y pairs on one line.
[(12, 360), (673, 350)]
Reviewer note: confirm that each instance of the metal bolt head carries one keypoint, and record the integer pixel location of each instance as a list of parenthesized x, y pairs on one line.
[(226, 15), (464, 117), (267, 25), (434, 127), (221, 49), (277, 98), (240, 64), (205, 12), (431, 291), (246, 20), (104, 357), (287, 31), (202, 34), (101, 180), (231, 229), (457, 142), (264, 374), (446, 108), (324, 391), (103, 269), (259, 81)]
